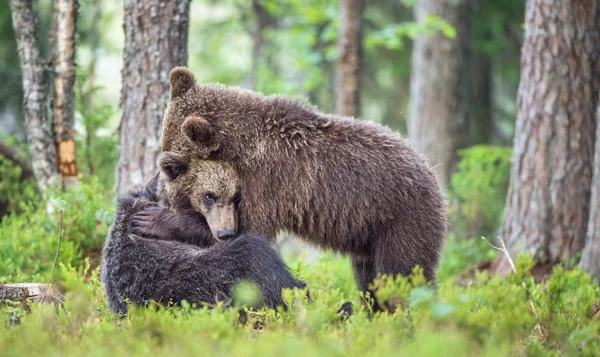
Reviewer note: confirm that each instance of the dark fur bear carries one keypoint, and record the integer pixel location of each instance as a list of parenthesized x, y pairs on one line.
[(142, 269), (351, 186)]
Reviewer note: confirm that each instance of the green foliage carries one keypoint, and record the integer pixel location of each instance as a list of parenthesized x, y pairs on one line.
[(460, 255), (392, 36), (13, 189), (478, 190), (97, 145), (28, 241), (491, 316)]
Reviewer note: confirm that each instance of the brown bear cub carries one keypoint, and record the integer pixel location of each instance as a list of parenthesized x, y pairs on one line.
[(193, 195), (347, 185)]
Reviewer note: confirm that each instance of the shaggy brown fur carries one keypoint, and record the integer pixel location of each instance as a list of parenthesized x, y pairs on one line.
[(193, 194), (347, 185)]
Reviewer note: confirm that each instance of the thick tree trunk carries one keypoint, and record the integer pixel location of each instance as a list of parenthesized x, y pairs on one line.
[(548, 200), (590, 260), (349, 61), (63, 63), (156, 34), (34, 98), (440, 86)]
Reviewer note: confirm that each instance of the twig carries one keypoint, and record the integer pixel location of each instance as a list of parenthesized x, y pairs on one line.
[(503, 250), (60, 236), (533, 308)]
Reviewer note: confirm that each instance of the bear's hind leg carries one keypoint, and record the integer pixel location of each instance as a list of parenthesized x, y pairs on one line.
[(364, 273)]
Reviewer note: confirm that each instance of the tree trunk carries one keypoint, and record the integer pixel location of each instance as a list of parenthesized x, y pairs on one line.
[(263, 20), (590, 260), (548, 201), (34, 98), (349, 61), (480, 123), (440, 86), (63, 63), (156, 34)]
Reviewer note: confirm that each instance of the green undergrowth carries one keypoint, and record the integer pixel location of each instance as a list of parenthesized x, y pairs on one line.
[(469, 314), (29, 238), (492, 316)]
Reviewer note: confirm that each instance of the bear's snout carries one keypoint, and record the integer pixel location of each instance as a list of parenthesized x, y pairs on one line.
[(226, 234)]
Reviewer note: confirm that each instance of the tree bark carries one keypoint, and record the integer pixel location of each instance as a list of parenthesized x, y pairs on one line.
[(590, 259), (548, 201), (63, 111), (34, 98), (440, 86), (156, 34), (349, 61)]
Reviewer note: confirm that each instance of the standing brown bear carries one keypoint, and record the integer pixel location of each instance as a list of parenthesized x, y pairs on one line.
[(347, 185)]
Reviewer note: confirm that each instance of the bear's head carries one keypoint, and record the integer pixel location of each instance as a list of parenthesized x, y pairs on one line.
[(211, 188), (212, 120), (187, 101)]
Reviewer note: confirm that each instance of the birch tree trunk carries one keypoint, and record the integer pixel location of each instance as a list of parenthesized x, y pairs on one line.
[(440, 93), (590, 260), (548, 201), (156, 34), (349, 61), (34, 94), (63, 111)]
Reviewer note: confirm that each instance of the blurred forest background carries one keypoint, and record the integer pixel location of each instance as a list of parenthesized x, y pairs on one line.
[(444, 74)]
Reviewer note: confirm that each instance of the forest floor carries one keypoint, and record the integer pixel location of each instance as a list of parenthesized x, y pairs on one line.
[(488, 315)]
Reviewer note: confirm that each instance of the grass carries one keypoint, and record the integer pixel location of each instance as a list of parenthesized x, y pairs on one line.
[(490, 316)]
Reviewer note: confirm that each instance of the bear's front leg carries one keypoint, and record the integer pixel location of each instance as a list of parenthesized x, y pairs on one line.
[(160, 223)]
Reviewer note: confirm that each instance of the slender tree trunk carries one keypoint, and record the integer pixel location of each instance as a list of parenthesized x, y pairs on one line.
[(34, 98), (63, 63), (156, 34), (440, 86), (590, 260), (350, 54), (263, 20), (548, 201), (480, 123)]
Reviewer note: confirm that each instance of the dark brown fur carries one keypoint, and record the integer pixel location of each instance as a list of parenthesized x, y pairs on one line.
[(346, 185)]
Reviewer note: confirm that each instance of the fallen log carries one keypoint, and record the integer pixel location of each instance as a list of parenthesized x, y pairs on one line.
[(27, 293)]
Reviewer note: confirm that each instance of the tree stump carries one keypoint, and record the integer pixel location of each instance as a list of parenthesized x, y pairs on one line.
[(26, 293)]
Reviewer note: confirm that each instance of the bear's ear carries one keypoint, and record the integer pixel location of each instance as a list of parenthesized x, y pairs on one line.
[(200, 132), (172, 164), (181, 81)]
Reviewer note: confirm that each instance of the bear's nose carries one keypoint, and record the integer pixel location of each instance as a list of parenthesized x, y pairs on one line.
[(226, 234)]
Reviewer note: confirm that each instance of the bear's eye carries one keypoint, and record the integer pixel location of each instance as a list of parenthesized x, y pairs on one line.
[(209, 199)]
